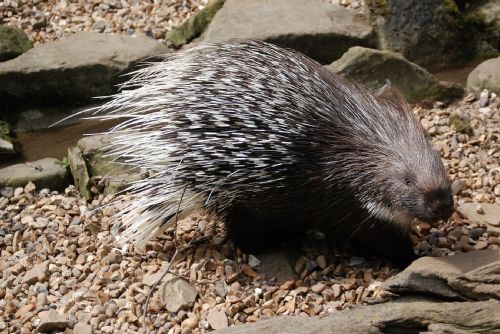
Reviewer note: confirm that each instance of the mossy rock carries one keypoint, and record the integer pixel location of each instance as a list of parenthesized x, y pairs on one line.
[(79, 171), (485, 16), (433, 33), (195, 26), (89, 160), (460, 124), (373, 68), (9, 146), (13, 42), (5, 130), (379, 7)]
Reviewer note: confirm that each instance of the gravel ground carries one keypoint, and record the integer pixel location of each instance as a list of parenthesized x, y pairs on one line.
[(50, 20), (60, 268)]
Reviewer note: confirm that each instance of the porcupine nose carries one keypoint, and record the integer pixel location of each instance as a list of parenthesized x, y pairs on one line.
[(441, 204)]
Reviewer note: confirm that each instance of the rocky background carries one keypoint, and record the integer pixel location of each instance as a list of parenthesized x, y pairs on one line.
[(60, 269)]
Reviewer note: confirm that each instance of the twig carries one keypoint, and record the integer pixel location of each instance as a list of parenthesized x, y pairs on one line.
[(150, 294)]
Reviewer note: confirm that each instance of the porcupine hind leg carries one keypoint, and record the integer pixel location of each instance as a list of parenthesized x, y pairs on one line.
[(257, 230)]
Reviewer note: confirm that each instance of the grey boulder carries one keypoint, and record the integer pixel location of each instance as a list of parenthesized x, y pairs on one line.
[(320, 29), (373, 68), (489, 13), (485, 76), (431, 33)]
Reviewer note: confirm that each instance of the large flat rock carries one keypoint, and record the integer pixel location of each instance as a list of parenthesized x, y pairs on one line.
[(321, 30), (404, 316), (46, 173), (473, 275), (73, 69)]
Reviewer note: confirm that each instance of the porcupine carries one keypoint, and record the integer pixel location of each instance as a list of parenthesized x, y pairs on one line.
[(269, 141)]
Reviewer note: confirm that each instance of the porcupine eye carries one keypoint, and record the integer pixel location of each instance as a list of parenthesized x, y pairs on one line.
[(407, 181)]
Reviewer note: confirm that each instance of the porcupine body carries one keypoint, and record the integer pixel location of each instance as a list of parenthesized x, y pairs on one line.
[(269, 140)]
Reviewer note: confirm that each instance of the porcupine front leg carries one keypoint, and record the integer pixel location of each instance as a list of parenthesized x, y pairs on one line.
[(371, 237), (383, 239)]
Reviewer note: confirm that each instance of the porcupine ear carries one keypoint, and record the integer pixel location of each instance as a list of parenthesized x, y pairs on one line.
[(384, 89), (392, 94)]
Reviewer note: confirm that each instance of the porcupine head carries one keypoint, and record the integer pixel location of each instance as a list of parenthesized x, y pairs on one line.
[(385, 171), (260, 134)]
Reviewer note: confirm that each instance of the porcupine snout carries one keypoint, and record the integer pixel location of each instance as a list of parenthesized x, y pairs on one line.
[(440, 204)]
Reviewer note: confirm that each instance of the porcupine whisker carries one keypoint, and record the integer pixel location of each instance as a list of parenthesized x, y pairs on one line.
[(358, 227), (211, 191)]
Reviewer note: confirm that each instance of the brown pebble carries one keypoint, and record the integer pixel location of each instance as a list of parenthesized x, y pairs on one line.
[(457, 232), (287, 285), (111, 309), (463, 244), (217, 319), (300, 265), (337, 290), (41, 300), (190, 323), (322, 262), (249, 271), (481, 244), (24, 309), (29, 188), (235, 287), (232, 277), (444, 242), (318, 288), (339, 269), (424, 228)]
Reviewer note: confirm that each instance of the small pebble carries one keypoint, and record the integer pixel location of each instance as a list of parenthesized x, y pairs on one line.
[(318, 288)]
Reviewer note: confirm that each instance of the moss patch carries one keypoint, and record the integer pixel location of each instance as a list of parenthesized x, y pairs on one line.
[(13, 42), (4, 130), (460, 124), (195, 26), (379, 7)]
